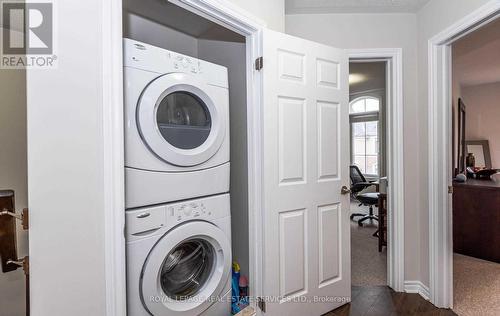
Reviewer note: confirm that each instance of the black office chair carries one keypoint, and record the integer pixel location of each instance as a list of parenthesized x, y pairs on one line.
[(358, 184)]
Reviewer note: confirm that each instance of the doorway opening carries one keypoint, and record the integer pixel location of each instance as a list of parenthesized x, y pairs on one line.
[(475, 69), (376, 120), (367, 107), (442, 190)]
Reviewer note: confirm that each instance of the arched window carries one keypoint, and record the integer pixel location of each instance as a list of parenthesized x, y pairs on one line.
[(364, 121), (364, 104)]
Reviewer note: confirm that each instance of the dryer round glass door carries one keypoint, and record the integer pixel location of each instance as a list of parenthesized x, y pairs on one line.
[(183, 120), (187, 270), (179, 121)]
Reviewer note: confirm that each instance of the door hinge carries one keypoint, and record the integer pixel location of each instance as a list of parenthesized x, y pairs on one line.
[(259, 63), (23, 263), (23, 217), (261, 304), (450, 189)]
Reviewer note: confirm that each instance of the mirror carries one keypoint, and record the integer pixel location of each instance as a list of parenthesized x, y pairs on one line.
[(461, 147), (481, 151)]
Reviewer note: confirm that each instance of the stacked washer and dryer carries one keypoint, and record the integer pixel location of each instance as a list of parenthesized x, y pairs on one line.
[(178, 224)]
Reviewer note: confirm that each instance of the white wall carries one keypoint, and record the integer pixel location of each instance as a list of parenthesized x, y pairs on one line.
[(380, 31), (65, 168), (141, 29), (433, 18), (233, 56), (13, 170), (483, 117), (270, 11)]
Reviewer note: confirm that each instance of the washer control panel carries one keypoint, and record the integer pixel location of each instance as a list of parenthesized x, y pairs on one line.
[(146, 221), (187, 211)]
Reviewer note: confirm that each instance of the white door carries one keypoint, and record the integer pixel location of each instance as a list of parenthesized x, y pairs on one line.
[(306, 154)]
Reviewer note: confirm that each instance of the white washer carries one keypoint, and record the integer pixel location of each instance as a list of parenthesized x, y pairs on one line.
[(179, 259), (176, 126)]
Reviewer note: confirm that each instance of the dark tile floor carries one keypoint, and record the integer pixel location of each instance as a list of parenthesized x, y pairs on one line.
[(383, 301)]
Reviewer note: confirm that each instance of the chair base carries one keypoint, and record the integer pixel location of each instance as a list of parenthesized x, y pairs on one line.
[(365, 217)]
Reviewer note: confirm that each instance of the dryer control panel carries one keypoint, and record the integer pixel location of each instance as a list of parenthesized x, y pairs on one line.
[(185, 63), (151, 58), (157, 219)]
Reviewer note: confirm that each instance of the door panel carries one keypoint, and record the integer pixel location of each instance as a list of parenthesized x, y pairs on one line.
[(293, 261), (328, 141), (329, 230), (306, 225), (292, 136)]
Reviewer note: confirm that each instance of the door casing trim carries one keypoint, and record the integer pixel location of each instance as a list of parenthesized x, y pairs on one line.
[(440, 150), (395, 157)]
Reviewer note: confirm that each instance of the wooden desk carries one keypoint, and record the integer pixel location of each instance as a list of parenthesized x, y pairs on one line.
[(476, 219), (382, 221)]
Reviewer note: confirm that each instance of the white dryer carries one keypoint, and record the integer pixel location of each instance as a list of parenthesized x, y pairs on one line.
[(176, 126), (179, 259)]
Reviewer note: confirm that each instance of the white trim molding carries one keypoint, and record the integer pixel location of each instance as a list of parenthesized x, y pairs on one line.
[(440, 152), (223, 13), (395, 157), (417, 287), (113, 159)]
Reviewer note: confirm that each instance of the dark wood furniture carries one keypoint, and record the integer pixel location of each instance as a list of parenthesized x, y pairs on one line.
[(8, 249), (8, 243), (382, 221), (476, 219)]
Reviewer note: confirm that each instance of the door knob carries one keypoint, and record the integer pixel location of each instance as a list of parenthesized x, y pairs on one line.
[(345, 190)]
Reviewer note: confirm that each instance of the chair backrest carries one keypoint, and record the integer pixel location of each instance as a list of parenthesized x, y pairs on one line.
[(356, 175)]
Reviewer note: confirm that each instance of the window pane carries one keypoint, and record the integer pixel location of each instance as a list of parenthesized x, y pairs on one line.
[(365, 142), (372, 138), (372, 104), (358, 129), (359, 138), (359, 146), (360, 162), (371, 146), (372, 128), (372, 164), (358, 106)]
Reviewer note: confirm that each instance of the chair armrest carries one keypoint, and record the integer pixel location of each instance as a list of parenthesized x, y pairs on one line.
[(367, 184), (361, 186)]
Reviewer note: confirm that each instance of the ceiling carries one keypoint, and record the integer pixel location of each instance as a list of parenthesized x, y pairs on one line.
[(173, 16), (476, 57), (353, 6), (368, 76)]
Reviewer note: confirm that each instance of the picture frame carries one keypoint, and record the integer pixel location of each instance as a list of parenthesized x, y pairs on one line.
[(481, 151)]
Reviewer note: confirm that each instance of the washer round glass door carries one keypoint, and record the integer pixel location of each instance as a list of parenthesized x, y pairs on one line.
[(179, 121), (186, 270)]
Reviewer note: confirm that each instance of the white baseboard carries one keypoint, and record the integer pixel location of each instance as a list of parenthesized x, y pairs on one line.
[(417, 287)]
